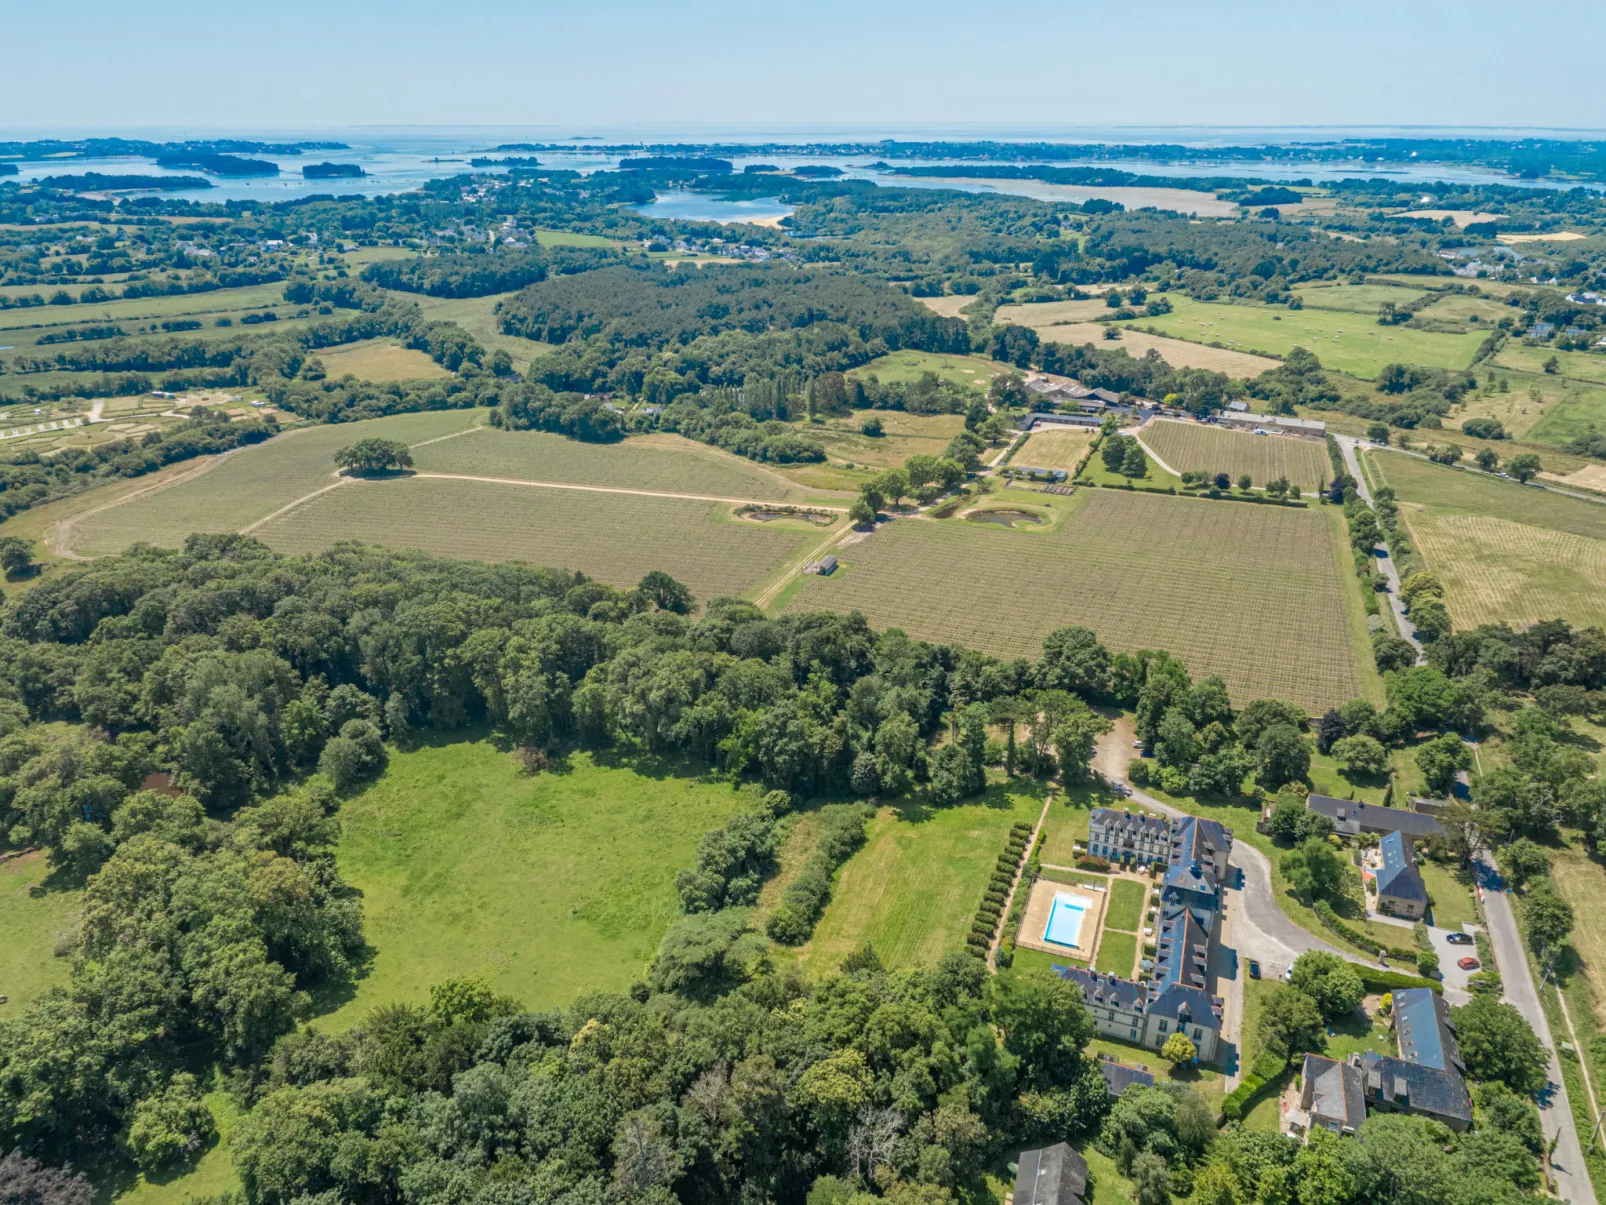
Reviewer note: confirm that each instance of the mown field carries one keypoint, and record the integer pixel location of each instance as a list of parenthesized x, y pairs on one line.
[(1506, 553), (1050, 449), (545, 886), (380, 360), (1194, 446), (618, 538), (226, 494), (906, 366), (1354, 299), (1355, 345), (1179, 353), (32, 913), (902, 435), (660, 462), (913, 889), (1257, 594)]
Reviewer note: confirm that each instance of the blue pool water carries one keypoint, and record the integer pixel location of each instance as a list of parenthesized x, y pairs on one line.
[(1065, 919)]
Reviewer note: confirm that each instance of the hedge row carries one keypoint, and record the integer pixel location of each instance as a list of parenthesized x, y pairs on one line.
[(1360, 940), (991, 910), (841, 832), (1263, 1075)]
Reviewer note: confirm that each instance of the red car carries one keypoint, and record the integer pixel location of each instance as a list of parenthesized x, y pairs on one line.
[(1467, 964)]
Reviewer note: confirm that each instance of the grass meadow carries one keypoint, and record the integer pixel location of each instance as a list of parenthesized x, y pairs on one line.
[(477, 315), (380, 360), (1195, 446), (908, 366), (546, 887), (1506, 552), (33, 911), (913, 889), (1178, 352), (1050, 449), (1354, 299), (1212, 581), (1354, 345)]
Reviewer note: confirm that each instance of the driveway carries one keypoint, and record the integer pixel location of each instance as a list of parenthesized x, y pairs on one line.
[(1555, 1114)]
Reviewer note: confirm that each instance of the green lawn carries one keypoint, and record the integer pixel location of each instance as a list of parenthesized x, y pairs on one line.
[(1451, 892), (907, 366), (564, 238), (31, 915), (1075, 877), (1066, 824), (1029, 960), (1349, 343), (1356, 299), (212, 1176), (1118, 953), (1155, 479), (913, 889), (1125, 911), (546, 886), (1328, 779), (1205, 1080)]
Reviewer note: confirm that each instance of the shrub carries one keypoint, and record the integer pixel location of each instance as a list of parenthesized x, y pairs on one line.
[(841, 833)]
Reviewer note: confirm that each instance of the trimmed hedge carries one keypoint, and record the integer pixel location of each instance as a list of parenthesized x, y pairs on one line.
[(1324, 912)]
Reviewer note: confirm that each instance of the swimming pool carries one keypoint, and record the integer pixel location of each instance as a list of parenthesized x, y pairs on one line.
[(1064, 926)]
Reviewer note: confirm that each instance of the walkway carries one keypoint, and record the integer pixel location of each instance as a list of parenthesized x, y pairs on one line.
[(1555, 1113), (1348, 444)]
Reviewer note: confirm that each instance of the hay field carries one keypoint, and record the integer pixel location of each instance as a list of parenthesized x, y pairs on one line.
[(231, 492), (380, 360), (1256, 594), (902, 435), (666, 463), (1355, 299), (1353, 344), (1176, 352), (1052, 313), (907, 366), (1425, 484), (1461, 217), (1573, 365), (1054, 449), (949, 306), (1209, 449), (617, 538)]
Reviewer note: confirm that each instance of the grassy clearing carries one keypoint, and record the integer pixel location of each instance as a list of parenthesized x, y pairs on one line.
[(1355, 345), (1156, 480), (477, 315), (1066, 824), (1451, 891), (1329, 780), (1054, 449), (211, 1176), (912, 890), (1212, 581), (1575, 365), (380, 360), (1201, 448), (1507, 553), (546, 886), (249, 485), (1053, 313), (659, 462), (1178, 352), (617, 538), (1125, 911), (1118, 953), (566, 238), (32, 913), (902, 436), (908, 366), (1354, 299)]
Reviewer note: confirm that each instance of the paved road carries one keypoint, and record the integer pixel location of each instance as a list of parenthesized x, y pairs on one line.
[(1348, 444), (1556, 1115)]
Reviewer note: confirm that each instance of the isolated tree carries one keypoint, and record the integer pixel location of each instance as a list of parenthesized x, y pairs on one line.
[(1378, 433), (1290, 1023), (1178, 1049), (375, 456), (1134, 463), (1487, 459), (862, 512), (1282, 755), (1524, 467), (16, 556), (1550, 920), (1441, 759), (1360, 756), (1113, 451), (1315, 870)]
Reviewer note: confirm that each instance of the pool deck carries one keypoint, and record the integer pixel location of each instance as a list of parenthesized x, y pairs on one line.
[(1041, 903)]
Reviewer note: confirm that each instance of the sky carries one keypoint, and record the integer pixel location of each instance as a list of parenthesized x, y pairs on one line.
[(591, 66)]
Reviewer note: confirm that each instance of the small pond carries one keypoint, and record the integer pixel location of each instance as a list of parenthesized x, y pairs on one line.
[(1005, 518)]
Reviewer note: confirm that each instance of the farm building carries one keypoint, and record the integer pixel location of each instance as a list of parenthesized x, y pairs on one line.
[(1034, 473), (1400, 890), (1046, 419), (1281, 424), (825, 566), (1351, 819), (1055, 1175)]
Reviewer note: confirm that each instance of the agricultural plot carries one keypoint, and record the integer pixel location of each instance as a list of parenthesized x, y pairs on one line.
[(1049, 449), (1201, 448), (618, 538), (1217, 583), (1355, 345), (1506, 553), (912, 890), (666, 463), (949, 307), (1572, 365), (1177, 352), (234, 491), (902, 435), (1053, 313), (380, 360), (1354, 299), (546, 887)]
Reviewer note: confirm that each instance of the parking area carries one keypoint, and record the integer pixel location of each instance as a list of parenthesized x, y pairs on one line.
[(1449, 954)]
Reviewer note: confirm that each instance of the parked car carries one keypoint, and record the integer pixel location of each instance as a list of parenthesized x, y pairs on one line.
[(1467, 964), (1137, 744), (1459, 939), (1288, 974), (1254, 969)]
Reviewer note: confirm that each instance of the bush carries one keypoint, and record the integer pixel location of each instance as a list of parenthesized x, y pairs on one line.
[(171, 1126), (841, 833)]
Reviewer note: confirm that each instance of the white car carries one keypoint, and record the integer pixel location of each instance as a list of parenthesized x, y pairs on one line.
[(1137, 744)]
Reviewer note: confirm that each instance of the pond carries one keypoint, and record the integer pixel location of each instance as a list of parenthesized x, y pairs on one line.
[(684, 206), (1004, 518)]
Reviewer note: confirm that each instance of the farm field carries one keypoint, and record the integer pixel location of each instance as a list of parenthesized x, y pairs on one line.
[(1177, 352), (1353, 299), (656, 462), (546, 887), (913, 889), (1049, 449), (226, 302), (31, 915), (618, 538), (907, 366), (949, 306), (1461, 312), (1506, 553), (1573, 365), (226, 494), (1053, 313), (903, 435), (1358, 346), (1213, 582), (1582, 883), (477, 315), (380, 360), (1195, 446)]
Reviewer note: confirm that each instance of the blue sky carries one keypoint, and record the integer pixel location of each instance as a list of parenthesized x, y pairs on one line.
[(94, 64)]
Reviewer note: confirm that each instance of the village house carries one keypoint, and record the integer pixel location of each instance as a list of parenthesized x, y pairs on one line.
[(1400, 890)]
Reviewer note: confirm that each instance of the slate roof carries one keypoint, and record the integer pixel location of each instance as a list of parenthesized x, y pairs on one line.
[(1410, 1085), (1119, 820), (1182, 952), (1196, 840), (1055, 1175), (1373, 818), (1190, 1005), (1336, 1091), (1118, 1077), (1103, 990), (1398, 876), (1424, 1031)]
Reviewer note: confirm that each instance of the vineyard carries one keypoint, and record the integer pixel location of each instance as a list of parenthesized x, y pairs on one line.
[(1255, 594), (615, 537), (665, 463), (1198, 448)]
